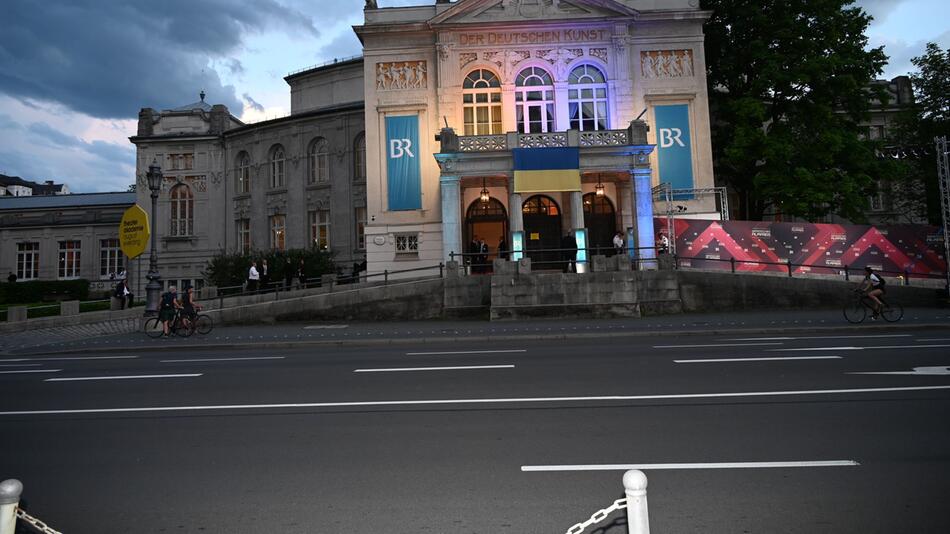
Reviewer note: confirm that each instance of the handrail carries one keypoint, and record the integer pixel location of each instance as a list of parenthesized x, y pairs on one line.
[(792, 267)]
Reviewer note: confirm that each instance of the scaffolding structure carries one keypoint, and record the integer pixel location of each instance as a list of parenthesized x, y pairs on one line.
[(669, 202), (943, 171)]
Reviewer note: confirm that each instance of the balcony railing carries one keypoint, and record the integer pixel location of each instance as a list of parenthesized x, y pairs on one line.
[(499, 143)]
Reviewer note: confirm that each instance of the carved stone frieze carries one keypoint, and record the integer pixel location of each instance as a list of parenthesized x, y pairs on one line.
[(559, 58), (599, 53), (467, 57), (400, 75), (666, 64)]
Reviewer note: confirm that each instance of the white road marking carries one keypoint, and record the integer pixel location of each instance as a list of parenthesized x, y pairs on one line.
[(726, 360), (69, 359), (186, 360), (927, 371), (22, 365), (718, 465), (126, 377), (936, 339), (879, 347), (326, 327), (712, 345), (30, 371), (817, 337), (514, 400), (464, 367), (465, 352)]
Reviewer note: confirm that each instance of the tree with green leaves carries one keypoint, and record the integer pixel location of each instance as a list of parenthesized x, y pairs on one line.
[(913, 138), (788, 88)]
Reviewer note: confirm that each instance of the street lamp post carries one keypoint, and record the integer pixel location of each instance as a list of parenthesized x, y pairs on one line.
[(153, 290)]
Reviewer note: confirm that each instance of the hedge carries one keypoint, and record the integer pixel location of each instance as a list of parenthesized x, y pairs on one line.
[(44, 290), (227, 270)]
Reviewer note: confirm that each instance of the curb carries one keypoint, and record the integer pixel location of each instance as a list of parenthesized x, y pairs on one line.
[(490, 338)]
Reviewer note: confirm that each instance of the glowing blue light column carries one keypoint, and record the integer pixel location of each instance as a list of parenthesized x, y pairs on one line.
[(515, 222), (643, 197)]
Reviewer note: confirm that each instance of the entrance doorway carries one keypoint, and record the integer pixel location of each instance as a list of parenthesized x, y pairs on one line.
[(600, 219), (487, 221), (542, 230)]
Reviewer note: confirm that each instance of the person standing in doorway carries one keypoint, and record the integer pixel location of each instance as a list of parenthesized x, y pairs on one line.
[(618, 243), (253, 277), (483, 255), (502, 248)]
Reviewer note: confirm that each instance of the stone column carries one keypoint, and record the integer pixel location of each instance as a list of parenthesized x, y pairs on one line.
[(577, 210), (643, 197), (451, 194), (515, 216), (509, 118), (562, 107)]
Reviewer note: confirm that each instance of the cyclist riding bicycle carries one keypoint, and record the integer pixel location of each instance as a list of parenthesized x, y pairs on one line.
[(873, 287), (190, 308), (167, 308)]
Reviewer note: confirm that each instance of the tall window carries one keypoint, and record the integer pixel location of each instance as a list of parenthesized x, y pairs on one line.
[(481, 100), (243, 176), (182, 211), (27, 261), (534, 101), (359, 158), (244, 235), (69, 258), (876, 200), (278, 232), (360, 228), (110, 257), (181, 162), (319, 161), (587, 96), (277, 167), (320, 229)]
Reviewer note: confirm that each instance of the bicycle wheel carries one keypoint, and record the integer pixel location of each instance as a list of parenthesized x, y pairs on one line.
[(204, 324), (153, 327), (892, 312), (184, 327), (855, 312)]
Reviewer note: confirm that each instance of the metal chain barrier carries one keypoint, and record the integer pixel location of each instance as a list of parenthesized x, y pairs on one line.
[(598, 516), (35, 523)]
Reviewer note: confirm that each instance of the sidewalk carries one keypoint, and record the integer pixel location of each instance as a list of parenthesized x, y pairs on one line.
[(287, 335)]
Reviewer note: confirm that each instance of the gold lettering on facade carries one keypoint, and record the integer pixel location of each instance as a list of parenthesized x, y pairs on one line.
[(533, 37)]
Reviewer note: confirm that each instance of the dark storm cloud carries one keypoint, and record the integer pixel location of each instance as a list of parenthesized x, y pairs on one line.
[(253, 103), (108, 59)]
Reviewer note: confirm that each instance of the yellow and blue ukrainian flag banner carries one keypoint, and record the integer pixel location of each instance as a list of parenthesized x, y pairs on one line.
[(539, 170)]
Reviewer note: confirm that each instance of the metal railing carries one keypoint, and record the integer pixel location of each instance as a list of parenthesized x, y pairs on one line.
[(635, 502), (10, 511), (483, 263)]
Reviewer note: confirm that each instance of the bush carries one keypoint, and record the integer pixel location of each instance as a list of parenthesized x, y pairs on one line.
[(43, 290), (226, 270)]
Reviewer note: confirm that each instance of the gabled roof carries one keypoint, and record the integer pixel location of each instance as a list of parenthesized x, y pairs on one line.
[(67, 201), (468, 11), (201, 104)]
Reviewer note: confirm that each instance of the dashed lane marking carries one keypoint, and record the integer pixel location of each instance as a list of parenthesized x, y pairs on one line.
[(189, 360), (23, 371), (458, 368), (713, 345), (729, 360), (123, 377), (718, 465), (465, 352)]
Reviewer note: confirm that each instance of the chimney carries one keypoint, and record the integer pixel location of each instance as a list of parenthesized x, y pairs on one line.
[(146, 122)]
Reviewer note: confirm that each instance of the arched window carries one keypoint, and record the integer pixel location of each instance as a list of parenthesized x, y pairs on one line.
[(587, 96), (540, 205), (481, 103), (277, 166), (534, 101), (359, 158), (182, 211), (243, 176), (319, 161)]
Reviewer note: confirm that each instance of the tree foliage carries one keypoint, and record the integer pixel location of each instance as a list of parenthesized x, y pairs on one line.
[(788, 86), (916, 129)]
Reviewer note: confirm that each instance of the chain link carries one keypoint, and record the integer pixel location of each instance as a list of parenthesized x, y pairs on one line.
[(35, 523), (598, 516)]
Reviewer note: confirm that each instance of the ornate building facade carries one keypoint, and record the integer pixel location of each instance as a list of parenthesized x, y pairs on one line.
[(357, 168)]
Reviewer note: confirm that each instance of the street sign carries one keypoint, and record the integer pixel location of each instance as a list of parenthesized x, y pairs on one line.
[(134, 232)]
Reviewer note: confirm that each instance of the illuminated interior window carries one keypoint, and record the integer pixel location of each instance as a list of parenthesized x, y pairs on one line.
[(534, 101), (587, 96), (481, 103)]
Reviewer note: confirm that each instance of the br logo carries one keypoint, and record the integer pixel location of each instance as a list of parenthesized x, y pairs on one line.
[(399, 148), (671, 136)]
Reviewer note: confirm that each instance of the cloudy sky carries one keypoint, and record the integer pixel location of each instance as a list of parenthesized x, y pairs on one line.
[(74, 73)]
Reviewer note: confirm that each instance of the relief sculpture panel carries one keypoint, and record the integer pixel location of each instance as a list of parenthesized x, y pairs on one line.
[(666, 64), (398, 75)]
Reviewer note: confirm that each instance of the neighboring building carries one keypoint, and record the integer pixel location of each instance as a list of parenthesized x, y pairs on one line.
[(504, 74), (63, 237), (18, 187)]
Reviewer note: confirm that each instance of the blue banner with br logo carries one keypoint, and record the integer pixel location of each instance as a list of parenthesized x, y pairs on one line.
[(402, 163), (673, 145)]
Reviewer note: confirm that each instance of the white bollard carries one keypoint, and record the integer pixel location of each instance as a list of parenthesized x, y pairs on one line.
[(635, 486), (10, 491)]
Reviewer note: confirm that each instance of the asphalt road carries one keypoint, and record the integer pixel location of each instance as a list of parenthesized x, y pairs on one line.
[(506, 437)]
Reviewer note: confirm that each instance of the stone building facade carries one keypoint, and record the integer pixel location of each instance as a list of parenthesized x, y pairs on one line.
[(64, 237)]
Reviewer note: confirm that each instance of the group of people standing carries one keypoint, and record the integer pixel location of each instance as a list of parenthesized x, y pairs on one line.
[(259, 279), (479, 254)]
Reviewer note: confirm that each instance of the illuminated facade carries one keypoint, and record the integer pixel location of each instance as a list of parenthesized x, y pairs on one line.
[(508, 74)]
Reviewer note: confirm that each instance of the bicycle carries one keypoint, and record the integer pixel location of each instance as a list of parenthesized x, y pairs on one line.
[(857, 311), (180, 326)]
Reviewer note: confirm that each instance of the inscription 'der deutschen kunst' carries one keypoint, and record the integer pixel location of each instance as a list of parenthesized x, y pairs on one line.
[(521, 38)]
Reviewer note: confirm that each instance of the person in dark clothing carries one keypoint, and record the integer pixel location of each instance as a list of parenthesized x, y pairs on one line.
[(11, 278), (474, 247), (502, 248), (301, 275), (123, 294), (288, 274), (569, 246)]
